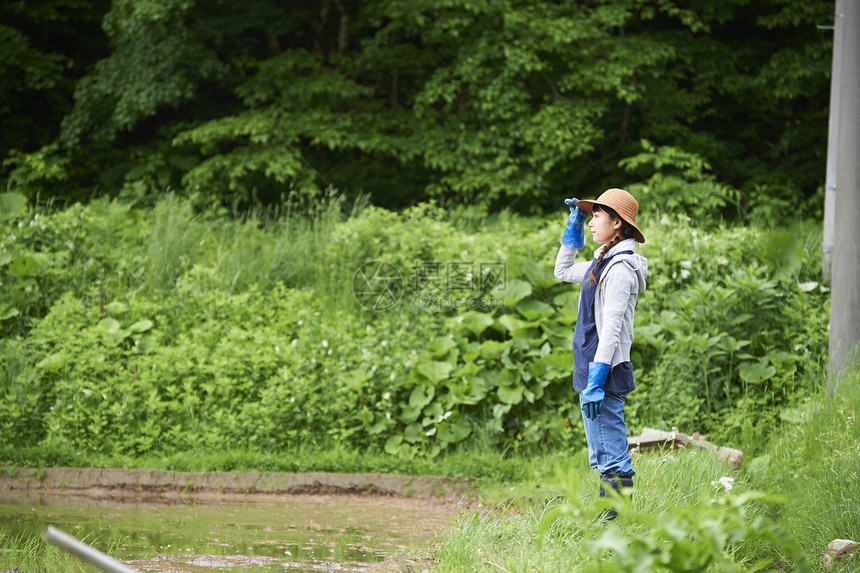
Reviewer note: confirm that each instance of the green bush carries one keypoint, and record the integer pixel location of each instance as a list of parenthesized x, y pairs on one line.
[(132, 330), (732, 329)]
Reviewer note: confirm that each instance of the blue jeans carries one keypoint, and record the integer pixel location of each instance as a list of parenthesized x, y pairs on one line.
[(607, 438)]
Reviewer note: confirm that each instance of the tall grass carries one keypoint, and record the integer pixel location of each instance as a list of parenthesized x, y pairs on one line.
[(31, 554), (290, 243), (814, 464), (510, 538), (175, 235), (309, 243)]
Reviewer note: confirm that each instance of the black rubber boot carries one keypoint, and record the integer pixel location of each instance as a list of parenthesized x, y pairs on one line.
[(616, 483)]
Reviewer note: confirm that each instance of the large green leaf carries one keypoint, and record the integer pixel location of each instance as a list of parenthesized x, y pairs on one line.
[(392, 444), (413, 433), (440, 346), (501, 410), (432, 411), (355, 378), (53, 362), (109, 325), (515, 291), (756, 372), (560, 335), (559, 359), (569, 299), (476, 322), (409, 414), (510, 322), (421, 395), (533, 309), (467, 369), (8, 311), (435, 371), (492, 349), (116, 307), (12, 204), (541, 274), (469, 391), (141, 326), (511, 393), (454, 429), (28, 265)]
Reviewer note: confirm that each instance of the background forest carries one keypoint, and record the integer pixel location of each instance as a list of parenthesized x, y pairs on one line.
[(713, 107)]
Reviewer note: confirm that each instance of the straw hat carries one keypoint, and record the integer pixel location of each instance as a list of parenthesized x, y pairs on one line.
[(622, 203)]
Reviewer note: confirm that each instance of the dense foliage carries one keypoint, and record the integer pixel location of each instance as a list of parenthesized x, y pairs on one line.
[(490, 102), (138, 331)]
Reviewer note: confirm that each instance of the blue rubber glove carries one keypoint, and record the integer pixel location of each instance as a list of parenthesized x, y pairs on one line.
[(574, 234), (591, 398)]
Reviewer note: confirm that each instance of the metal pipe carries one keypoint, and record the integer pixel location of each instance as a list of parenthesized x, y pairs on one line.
[(832, 145), (85, 553), (845, 293)]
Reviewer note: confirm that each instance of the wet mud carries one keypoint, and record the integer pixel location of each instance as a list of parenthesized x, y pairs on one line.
[(317, 523)]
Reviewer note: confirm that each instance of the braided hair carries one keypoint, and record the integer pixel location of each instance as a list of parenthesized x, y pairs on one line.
[(625, 232)]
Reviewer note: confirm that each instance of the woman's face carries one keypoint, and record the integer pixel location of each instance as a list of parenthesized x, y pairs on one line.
[(603, 227)]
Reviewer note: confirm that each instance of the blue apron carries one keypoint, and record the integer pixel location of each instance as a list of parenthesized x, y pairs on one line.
[(585, 339)]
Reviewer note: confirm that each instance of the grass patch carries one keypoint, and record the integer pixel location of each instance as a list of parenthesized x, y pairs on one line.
[(466, 463), (778, 513), (27, 553), (814, 464)]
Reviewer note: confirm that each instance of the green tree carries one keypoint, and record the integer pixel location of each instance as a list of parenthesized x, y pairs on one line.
[(498, 102), (44, 48)]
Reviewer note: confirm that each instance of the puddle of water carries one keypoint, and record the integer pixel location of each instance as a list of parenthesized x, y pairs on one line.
[(235, 533)]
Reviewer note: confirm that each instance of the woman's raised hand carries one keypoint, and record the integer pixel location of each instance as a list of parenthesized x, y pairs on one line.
[(574, 234)]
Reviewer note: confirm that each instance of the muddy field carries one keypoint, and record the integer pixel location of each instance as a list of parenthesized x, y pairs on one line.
[(183, 522)]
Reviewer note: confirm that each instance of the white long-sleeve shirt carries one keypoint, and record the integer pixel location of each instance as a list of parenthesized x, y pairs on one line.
[(615, 300)]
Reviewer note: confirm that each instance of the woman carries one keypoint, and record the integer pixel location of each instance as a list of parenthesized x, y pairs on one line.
[(611, 283)]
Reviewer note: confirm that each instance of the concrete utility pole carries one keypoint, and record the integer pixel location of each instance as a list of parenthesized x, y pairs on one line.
[(832, 141), (845, 293)]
